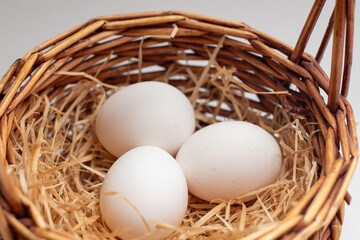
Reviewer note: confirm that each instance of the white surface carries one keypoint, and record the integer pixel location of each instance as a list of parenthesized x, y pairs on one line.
[(25, 24)]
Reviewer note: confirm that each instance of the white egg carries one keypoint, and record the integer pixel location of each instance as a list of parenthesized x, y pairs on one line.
[(146, 113), (228, 159), (144, 187)]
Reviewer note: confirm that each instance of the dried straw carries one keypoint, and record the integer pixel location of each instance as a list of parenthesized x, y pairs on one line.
[(60, 164)]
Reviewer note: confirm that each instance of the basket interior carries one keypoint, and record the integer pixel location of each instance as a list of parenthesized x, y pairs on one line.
[(61, 164)]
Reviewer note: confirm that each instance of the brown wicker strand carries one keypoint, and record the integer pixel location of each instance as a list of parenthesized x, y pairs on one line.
[(337, 55), (326, 38), (348, 47), (141, 22), (71, 40), (25, 70), (306, 31)]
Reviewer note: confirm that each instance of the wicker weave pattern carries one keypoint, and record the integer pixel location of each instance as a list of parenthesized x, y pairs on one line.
[(275, 66)]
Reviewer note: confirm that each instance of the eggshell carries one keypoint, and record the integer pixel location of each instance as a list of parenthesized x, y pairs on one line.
[(228, 159), (147, 182), (146, 113)]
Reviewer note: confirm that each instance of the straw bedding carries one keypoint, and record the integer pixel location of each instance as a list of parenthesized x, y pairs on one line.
[(60, 164)]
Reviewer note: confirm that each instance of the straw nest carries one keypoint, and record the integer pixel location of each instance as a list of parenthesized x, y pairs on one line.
[(56, 165)]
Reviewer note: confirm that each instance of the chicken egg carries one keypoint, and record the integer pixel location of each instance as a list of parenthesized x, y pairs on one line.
[(228, 159), (145, 113), (145, 186)]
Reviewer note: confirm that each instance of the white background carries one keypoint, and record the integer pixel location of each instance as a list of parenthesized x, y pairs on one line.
[(24, 24)]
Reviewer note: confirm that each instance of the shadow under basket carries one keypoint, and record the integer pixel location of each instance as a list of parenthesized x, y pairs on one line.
[(52, 164)]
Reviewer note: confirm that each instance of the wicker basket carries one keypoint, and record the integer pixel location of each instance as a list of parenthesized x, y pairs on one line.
[(262, 62)]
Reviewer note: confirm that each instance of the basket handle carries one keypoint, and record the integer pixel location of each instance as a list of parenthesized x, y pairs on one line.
[(342, 25)]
